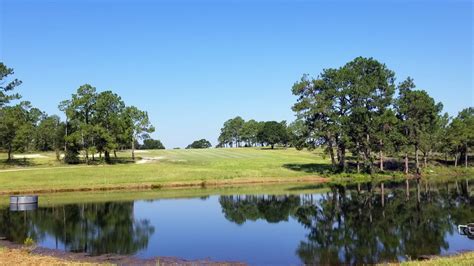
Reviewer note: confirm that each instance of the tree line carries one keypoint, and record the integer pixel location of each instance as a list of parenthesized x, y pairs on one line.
[(96, 123), (237, 132), (359, 109)]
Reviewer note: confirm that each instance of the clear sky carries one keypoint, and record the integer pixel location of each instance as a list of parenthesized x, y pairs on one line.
[(194, 64)]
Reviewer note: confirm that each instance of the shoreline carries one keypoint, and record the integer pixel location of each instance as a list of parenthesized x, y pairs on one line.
[(43, 256), (104, 259), (222, 183), (177, 185)]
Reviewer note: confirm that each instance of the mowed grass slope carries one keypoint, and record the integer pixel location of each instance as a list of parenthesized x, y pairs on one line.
[(164, 167)]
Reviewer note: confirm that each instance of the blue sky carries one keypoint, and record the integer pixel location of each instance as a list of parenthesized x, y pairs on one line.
[(194, 64)]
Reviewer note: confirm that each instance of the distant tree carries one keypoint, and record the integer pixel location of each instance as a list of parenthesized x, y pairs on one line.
[(273, 133), (231, 132), (17, 127), (418, 114), (461, 135), (298, 134), (80, 111), (50, 134), (152, 144), (108, 122), (139, 125), (432, 138), (249, 132), (199, 144), (385, 135), (7, 85)]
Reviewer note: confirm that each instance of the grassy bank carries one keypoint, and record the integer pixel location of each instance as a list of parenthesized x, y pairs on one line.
[(23, 257), (177, 168), (463, 259)]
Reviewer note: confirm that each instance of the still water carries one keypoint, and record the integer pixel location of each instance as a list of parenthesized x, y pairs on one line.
[(364, 223)]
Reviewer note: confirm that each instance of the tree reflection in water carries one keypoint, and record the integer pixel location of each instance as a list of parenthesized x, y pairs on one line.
[(366, 223), (92, 228)]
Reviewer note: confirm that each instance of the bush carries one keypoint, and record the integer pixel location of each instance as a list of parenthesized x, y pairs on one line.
[(71, 157)]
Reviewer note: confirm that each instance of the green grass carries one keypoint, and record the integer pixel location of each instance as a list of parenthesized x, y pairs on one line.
[(463, 259), (174, 167), (177, 168)]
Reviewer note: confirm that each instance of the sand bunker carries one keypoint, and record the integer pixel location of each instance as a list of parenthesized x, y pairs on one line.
[(141, 151), (28, 156), (150, 159)]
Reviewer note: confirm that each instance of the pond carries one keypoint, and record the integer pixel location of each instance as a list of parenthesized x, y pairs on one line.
[(294, 224)]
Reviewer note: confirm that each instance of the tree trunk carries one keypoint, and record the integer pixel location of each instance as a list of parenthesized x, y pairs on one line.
[(383, 194), (358, 164), (273, 146), (133, 149), (107, 156), (406, 163), (465, 157), (65, 142), (418, 192), (9, 152), (456, 160), (115, 154), (85, 148), (417, 162), (407, 189), (381, 160), (331, 154), (367, 154), (425, 158), (381, 155), (342, 158)]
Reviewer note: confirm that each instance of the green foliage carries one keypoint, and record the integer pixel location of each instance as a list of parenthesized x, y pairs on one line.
[(100, 122), (273, 133), (7, 85), (29, 242), (418, 117), (199, 144), (460, 135), (152, 144), (237, 132), (249, 132), (297, 134), (17, 127), (231, 132), (139, 125), (352, 108)]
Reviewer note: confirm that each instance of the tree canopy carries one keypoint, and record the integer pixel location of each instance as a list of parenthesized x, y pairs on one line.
[(199, 144), (152, 144), (352, 108)]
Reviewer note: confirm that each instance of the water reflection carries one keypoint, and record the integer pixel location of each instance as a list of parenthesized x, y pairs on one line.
[(365, 223), (272, 209), (91, 228), (354, 224)]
